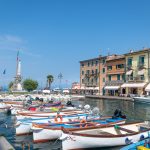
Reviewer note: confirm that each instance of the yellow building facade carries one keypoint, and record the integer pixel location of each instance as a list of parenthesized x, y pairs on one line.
[(137, 72)]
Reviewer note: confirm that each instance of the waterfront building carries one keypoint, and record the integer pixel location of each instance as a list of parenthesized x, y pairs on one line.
[(102, 74), (89, 76), (137, 72), (75, 88), (115, 74)]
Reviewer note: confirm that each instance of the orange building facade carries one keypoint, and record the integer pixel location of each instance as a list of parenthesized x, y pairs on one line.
[(115, 74), (89, 76)]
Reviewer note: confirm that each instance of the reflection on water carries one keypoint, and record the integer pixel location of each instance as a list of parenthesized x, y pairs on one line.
[(133, 111)]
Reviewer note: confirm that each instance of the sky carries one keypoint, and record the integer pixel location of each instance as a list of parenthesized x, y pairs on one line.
[(54, 35)]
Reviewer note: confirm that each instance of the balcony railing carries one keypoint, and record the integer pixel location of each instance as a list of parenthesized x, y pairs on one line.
[(141, 66), (91, 84), (129, 78), (117, 82), (137, 78), (94, 74)]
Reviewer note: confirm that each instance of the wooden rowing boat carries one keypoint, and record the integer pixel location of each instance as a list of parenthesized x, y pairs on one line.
[(47, 132), (105, 136)]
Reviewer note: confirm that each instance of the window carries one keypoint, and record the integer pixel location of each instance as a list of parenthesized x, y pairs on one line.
[(96, 80), (123, 77), (120, 66), (96, 71), (82, 65), (92, 63), (103, 61), (109, 67), (82, 81), (103, 70), (92, 71), (96, 62), (88, 64), (129, 62), (82, 72), (141, 60), (118, 76), (109, 77), (103, 79), (142, 77), (87, 71)]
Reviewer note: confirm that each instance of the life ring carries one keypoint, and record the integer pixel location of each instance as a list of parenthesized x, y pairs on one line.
[(82, 122), (58, 116), (61, 106)]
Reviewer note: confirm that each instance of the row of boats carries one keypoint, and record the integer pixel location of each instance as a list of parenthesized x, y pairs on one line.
[(77, 128)]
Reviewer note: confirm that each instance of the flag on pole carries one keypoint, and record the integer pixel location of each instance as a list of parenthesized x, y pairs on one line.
[(17, 55), (4, 72)]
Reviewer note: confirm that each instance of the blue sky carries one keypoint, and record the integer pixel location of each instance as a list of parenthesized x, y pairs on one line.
[(54, 35)]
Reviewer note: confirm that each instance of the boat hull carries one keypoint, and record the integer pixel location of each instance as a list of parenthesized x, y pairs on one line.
[(46, 134), (142, 99), (23, 127), (83, 139)]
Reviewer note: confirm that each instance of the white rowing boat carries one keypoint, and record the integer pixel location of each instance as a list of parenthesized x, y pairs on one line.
[(105, 137), (47, 132)]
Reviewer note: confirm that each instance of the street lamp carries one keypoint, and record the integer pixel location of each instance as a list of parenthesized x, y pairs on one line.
[(60, 76)]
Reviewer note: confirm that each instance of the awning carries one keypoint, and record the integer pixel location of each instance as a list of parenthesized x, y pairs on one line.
[(112, 87), (89, 88), (133, 85), (129, 72), (148, 88), (141, 72)]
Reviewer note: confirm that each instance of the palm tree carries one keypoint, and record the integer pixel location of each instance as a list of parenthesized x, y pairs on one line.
[(50, 79)]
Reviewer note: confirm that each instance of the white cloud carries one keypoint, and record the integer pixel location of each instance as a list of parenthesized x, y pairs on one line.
[(10, 42), (14, 43), (11, 39)]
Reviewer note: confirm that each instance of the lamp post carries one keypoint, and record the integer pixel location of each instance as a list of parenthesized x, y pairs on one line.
[(60, 76), (99, 72)]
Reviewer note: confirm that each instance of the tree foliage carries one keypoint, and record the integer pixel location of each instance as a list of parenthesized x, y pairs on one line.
[(50, 79), (30, 85), (10, 85)]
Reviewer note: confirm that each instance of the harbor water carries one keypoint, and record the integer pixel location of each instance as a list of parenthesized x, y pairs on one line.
[(134, 111)]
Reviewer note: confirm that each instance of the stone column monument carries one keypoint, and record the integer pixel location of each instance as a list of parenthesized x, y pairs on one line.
[(17, 85)]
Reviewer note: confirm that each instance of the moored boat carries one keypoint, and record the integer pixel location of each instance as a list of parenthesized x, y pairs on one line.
[(117, 135), (141, 145), (47, 132), (4, 108), (34, 114), (142, 99), (23, 126)]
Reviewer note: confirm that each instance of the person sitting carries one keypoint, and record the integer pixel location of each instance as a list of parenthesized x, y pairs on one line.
[(118, 114)]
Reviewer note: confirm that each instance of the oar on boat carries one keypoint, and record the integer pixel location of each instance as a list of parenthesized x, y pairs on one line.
[(124, 129)]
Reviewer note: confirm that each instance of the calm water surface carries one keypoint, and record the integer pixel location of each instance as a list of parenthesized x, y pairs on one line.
[(133, 111)]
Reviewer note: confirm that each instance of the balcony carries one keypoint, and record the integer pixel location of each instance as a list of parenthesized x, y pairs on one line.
[(141, 66), (136, 79), (87, 75), (129, 79), (115, 82), (93, 74), (91, 84)]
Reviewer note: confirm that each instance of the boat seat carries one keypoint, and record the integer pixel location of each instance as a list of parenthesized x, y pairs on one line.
[(143, 127), (104, 132)]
